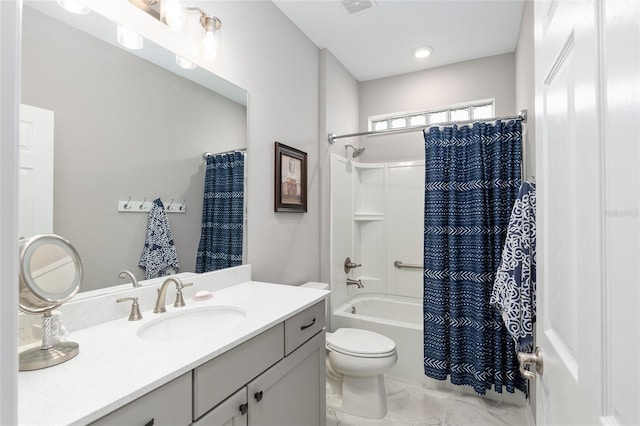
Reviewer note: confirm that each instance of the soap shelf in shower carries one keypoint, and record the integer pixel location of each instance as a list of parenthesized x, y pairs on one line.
[(366, 216)]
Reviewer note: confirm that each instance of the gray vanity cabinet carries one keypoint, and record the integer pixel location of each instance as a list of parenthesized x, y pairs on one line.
[(288, 394), (291, 392), (276, 378)]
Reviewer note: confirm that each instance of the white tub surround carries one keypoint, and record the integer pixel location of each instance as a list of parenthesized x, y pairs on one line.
[(115, 366)]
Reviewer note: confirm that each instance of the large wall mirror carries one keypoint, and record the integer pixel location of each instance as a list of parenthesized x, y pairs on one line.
[(112, 125)]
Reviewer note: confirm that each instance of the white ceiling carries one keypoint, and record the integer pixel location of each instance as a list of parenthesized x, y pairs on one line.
[(377, 42)]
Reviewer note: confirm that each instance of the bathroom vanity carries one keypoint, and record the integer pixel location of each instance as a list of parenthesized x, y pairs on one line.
[(266, 369)]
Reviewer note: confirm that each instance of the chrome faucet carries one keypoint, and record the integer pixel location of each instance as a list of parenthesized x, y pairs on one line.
[(162, 292), (357, 283), (124, 274)]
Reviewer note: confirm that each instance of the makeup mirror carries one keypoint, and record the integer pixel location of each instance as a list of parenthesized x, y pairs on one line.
[(50, 274)]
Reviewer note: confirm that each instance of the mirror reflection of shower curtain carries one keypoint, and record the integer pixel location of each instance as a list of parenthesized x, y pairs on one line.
[(221, 240), (472, 176)]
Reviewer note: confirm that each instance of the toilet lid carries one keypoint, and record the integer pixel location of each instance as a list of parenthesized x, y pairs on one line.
[(357, 342)]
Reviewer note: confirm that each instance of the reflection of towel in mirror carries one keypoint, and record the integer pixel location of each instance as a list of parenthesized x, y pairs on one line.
[(159, 257), (514, 289)]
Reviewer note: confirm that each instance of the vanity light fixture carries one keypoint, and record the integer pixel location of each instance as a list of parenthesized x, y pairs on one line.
[(183, 63), (129, 39), (174, 14), (73, 7), (422, 52), (211, 26)]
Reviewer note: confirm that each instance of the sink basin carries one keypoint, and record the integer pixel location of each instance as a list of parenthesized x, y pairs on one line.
[(192, 324)]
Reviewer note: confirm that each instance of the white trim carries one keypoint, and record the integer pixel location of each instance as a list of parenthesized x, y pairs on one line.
[(10, 29)]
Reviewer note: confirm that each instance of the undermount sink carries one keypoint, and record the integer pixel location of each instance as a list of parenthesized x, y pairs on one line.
[(192, 323)]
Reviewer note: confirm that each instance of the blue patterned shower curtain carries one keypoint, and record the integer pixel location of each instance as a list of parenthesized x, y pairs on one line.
[(222, 213), (471, 182)]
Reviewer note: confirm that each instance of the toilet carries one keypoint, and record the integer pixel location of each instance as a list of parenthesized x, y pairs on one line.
[(356, 362), (361, 357)]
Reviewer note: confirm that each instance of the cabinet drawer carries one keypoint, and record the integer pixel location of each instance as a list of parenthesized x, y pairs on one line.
[(215, 380), (168, 405), (303, 326)]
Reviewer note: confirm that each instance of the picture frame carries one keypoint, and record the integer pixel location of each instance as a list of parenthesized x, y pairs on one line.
[(290, 189)]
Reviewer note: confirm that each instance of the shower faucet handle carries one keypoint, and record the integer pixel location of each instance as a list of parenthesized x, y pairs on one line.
[(349, 265)]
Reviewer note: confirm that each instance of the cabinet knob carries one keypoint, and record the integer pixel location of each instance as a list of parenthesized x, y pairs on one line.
[(258, 396), (244, 408)]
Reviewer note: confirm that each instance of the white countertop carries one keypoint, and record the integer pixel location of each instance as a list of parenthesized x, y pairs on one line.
[(115, 367)]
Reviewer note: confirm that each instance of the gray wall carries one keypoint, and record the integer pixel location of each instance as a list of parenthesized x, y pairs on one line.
[(339, 106), (525, 85), (123, 127), (263, 52), (485, 78)]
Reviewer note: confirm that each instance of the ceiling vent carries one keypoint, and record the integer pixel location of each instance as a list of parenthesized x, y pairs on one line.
[(357, 6)]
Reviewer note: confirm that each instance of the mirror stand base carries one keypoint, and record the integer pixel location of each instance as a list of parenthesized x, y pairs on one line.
[(37, 358)]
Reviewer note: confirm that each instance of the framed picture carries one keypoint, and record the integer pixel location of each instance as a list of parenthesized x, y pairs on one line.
[(290, 179)]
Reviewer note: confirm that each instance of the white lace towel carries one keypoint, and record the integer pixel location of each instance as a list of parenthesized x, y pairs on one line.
[(159, 257), (514, 289)]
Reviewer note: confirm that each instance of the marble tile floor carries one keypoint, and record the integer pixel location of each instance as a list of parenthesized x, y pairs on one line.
[(410, 405)]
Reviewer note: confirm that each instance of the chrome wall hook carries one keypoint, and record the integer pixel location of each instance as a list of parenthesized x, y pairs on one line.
[(182, 206), (126, 205), (143, 201), (170, 204)]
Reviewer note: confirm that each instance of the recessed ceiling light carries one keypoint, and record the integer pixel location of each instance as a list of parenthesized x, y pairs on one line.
[(422, 52), (73, 7), (183, 63), (129, 39)]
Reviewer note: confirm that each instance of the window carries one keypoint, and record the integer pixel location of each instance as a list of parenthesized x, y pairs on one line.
[(438, 117), (472, 111), (460, 114)]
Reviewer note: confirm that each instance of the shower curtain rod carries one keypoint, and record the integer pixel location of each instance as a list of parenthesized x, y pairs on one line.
[(208, 154), (332, 136)]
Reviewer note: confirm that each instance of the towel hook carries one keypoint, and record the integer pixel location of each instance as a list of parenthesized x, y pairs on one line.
[(126, 205), (183, 204), (170, 203), (143, 201)]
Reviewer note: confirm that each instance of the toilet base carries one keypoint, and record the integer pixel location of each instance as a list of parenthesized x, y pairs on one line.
[(364, 396)]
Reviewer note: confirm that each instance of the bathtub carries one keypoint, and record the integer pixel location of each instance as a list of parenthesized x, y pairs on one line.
[(399, 318)]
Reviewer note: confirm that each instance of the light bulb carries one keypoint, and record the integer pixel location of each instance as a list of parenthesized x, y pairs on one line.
[(183, 63), (210, 45), (129, 39), (173, 14), (422, 52), (73, 7)]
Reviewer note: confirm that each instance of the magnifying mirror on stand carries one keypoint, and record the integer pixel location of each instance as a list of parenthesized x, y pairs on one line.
[(50, 274)]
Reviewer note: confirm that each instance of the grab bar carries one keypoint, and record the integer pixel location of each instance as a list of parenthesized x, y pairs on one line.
[(398, 264)]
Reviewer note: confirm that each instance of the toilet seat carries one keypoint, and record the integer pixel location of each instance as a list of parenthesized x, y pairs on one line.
[(360, 343)]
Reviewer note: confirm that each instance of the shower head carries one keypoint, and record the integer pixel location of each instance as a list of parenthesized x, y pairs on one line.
[(357, 152)]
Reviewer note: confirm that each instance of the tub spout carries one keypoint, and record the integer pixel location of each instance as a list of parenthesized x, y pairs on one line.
[(357, 283)]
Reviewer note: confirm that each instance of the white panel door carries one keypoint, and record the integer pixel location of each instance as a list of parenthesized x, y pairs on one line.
[(569, 213), (35, 213), (621, 295)]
